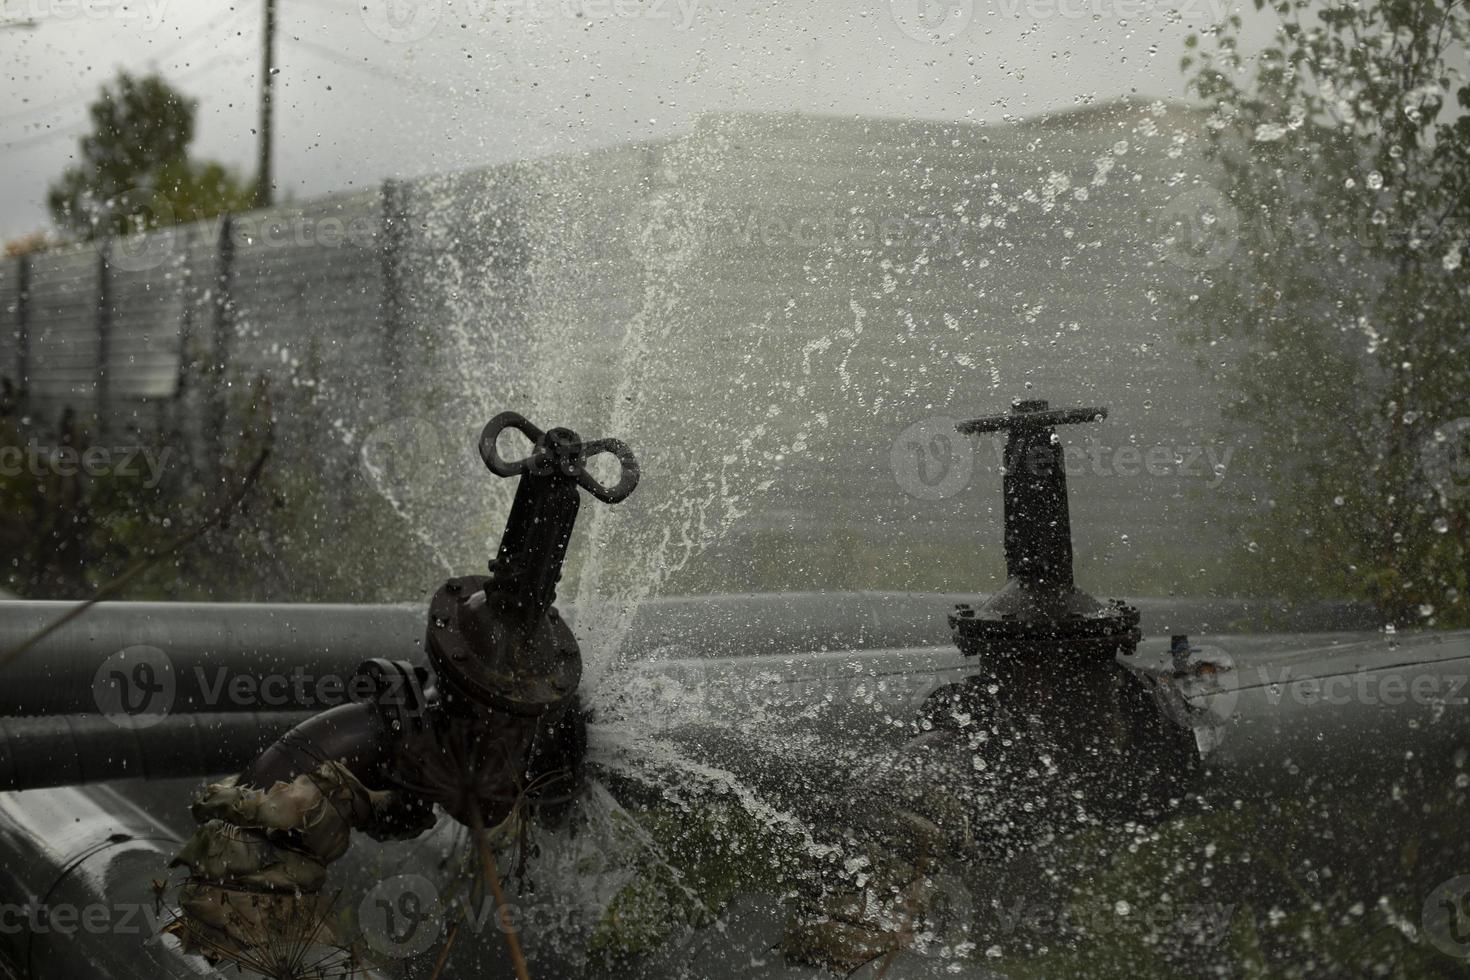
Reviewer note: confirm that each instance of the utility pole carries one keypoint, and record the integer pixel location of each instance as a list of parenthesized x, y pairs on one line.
[(263, 178)]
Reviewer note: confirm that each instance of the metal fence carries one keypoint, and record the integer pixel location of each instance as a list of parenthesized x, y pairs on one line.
[(768, 302)]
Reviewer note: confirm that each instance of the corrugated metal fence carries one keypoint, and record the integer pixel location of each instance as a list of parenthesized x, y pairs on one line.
[(110, 327), (763, 306)]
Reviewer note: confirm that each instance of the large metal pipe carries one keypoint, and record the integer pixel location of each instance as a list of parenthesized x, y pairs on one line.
[(203, 650), (283, 657), (76, 866), (1290, 702), (295, 660), (63, 750)]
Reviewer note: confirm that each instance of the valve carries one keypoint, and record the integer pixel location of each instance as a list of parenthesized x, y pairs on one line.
[(1074, 723), (493, 726), (497, 641), (1039, 621)]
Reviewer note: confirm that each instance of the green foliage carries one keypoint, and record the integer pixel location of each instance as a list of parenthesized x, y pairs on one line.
[(1340, 320), (298, 536), (699, 860), (1255, 889), (134, 173)]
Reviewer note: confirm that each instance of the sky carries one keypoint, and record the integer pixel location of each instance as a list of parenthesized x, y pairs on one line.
[(369, 89)]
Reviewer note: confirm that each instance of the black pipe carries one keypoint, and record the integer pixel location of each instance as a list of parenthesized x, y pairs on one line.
[(208, 648), (352, 734), (62, 750), (211, 644)]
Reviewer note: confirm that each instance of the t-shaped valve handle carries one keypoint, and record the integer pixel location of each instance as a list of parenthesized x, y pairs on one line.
[(1038, 535)]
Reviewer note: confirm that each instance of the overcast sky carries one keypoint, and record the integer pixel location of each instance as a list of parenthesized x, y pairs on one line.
[(377, 88)]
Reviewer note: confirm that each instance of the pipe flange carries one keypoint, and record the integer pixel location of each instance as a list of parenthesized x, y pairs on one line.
[(486, 658)]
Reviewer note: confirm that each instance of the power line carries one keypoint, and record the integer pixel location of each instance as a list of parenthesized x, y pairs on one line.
[(36, 139), (78, 128), (378, 71), (173, 49)]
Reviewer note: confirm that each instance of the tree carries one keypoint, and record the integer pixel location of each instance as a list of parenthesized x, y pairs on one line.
[(134, 172), (1341, 321)]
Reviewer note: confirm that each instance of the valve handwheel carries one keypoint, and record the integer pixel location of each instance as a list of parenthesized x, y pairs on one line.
[(560, 450)]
